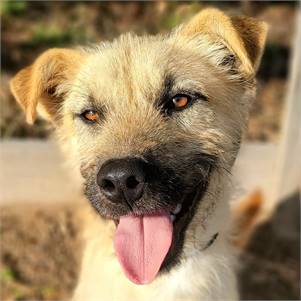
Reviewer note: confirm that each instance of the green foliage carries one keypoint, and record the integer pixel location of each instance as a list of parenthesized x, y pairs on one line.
[(50, 35), (47, 292), (175, 15), (6, 275), (54, 35), (13, 8), (18, 294)]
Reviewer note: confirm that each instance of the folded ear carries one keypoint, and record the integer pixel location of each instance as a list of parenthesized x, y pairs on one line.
[(45, 82), (243, 36)]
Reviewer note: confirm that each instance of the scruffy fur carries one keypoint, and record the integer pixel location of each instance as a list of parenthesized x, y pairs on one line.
[(213, 54)]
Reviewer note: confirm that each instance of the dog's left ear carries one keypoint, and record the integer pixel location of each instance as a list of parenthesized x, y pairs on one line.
[(44, 84), (243, 36)]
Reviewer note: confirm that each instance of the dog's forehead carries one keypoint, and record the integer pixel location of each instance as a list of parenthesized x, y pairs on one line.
[(126, 68), (137, 68)]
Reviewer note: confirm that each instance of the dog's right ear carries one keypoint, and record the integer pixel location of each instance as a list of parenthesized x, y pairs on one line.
[(45, 82)]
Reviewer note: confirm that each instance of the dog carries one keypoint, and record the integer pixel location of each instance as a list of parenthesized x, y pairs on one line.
[(154, 124)]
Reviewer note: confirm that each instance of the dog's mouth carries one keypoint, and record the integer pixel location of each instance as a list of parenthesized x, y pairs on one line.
[(148, 243), (176, 212), (151, 229)]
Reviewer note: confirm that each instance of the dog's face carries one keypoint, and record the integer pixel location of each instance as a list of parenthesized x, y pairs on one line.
[(153, 122)]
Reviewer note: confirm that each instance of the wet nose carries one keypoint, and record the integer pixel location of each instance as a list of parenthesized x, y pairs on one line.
[(122, 180)]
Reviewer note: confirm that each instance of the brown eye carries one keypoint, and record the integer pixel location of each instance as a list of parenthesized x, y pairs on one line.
[(181, 101), (90, 116)]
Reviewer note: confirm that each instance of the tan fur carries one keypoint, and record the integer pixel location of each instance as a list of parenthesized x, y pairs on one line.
[(40, 82), (245, 217), (123, 79), (243, 35)]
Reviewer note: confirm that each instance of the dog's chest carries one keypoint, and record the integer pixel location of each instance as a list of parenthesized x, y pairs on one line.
[(204, 276)]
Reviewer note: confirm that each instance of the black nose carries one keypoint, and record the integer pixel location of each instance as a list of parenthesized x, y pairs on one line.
[(122, 180)]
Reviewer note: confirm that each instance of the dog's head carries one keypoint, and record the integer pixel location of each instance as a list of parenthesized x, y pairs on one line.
[(154, 124)]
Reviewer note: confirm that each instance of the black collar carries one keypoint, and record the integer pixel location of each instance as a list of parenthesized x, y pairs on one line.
[(211, 241)]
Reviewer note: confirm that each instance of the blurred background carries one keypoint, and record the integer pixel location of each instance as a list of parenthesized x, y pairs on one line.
[(40, 244)]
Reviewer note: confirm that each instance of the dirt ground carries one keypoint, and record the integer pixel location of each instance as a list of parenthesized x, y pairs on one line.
[(41, 250), (270, 266)]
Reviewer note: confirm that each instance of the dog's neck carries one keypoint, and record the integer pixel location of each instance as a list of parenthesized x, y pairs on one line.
[(210, 275)]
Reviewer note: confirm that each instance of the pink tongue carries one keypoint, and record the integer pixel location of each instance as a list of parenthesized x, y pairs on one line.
[(141, 244)]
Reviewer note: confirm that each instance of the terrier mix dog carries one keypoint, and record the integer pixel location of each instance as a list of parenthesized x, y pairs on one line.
[(154, 123)]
